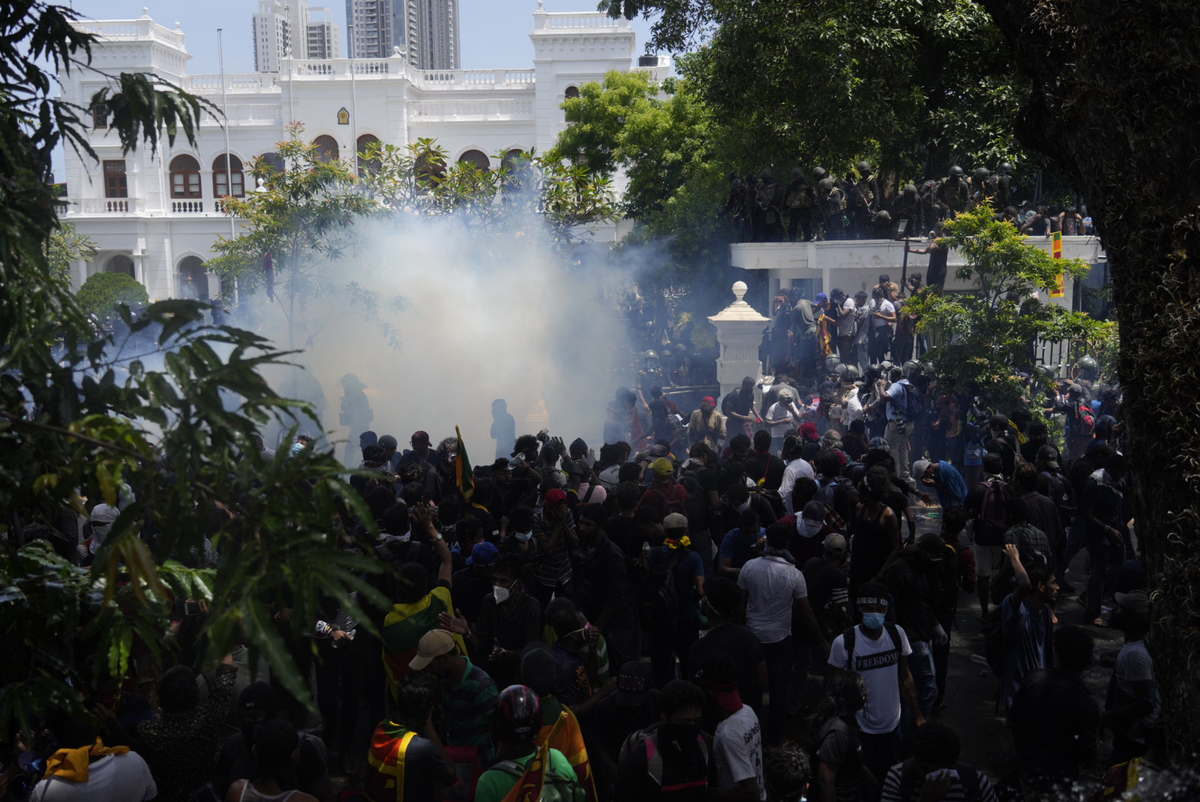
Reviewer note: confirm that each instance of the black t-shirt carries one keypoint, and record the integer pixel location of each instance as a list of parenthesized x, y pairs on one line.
[(700, 481), (237, 762), (603, 582), (471, 585), (760, 466), (827, 584), (627, 534), (838, 745), (739, 643)]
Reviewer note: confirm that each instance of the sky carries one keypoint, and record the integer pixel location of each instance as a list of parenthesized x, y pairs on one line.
[(495, 33)]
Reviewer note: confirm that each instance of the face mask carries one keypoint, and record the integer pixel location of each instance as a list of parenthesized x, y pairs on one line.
[(873, 621), (501, 593), (523, 537), (809, 528)]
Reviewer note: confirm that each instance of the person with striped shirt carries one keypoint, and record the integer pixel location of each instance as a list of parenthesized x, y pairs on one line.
[(468, 693), (933, 773)]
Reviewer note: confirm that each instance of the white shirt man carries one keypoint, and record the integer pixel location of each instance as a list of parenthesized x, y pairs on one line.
[(783, 416), (847, 318), (793, 471), (112, 778), (883, 306)]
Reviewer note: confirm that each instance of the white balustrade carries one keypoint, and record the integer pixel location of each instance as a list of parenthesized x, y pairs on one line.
[(112, 205), (187, 207)]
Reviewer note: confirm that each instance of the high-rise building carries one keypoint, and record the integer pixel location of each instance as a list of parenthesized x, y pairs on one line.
[(282, 25), (426, 31)]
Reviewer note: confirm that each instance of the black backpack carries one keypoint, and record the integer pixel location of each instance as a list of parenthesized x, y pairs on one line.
[(555, 787), (909, 775), (848, 638), (915, 404), (696, 501), (659, 599), (1062, 493)]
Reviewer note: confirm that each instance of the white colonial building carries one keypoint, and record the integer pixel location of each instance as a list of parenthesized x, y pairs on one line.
[(157, 216)]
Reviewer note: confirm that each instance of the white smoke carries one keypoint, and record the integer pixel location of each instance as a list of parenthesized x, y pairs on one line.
[(488, 316)]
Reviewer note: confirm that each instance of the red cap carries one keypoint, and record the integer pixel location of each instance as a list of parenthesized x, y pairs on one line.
[(708, 399), (554, 497), (420, 437), (808, 430)]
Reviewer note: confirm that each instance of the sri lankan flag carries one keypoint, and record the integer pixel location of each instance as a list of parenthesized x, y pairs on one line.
[(384, 780), (462, 469), (406, 624), (561, 731), (529, 787)]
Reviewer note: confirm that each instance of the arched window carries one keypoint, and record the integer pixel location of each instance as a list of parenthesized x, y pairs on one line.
[(477, 158), (120, 264), (365, 143), (428, 172), (327, 149), (274, 161), (223, 175), (185, 177), (572, 92), (193, 279)]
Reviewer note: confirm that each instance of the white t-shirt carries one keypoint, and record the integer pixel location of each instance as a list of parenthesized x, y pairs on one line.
[(878, 663), (854, 407), (885, 306), (846, 324), (737, 746), (779, 411), (772, 584), (1134, 664), (794, 470), (112, 778)]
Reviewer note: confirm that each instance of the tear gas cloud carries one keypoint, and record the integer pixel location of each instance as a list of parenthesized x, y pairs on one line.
[(488, 317)]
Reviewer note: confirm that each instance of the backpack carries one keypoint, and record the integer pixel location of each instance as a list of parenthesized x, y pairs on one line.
[(1085, 420), (659, 598), (647, 738), (1062, 493), (849, 635), (914, 403), (966, 775), (555, 787), (993, 515), (694, 506), (993, 641), (671, 503), (825, 493)]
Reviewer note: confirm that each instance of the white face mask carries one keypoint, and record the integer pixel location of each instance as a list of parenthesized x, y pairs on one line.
[(809, 528), (523, 537), (501, 593)]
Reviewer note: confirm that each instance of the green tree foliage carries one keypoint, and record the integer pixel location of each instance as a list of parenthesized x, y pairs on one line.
[(306, 216), (64, 247), (157, 416), (985, 337), (916, 86), (102, 293)]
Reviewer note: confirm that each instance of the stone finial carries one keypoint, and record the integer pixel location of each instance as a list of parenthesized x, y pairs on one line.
[(178, 26), (739, 290), (541, 5), (287, 52), (145, 11), (396, 51)]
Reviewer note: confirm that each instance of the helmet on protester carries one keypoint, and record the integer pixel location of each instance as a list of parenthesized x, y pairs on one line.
[(519, 713)]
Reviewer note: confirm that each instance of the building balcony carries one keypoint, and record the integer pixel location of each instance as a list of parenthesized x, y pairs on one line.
[(112, 206), (187, 207), (575, 21)]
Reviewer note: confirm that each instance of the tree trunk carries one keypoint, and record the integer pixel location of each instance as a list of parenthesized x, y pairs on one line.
[(1116, 100)]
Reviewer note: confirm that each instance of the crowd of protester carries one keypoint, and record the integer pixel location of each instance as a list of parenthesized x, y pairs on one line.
[(733, 602), (820, 205)]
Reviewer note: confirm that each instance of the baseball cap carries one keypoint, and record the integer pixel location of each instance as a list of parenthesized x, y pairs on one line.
[(1135, 602), (721, 687), (879, 444), (1049, 455), (808, 430), (708, 399), (658, 450), (932, 544), (483, 554), (420, 437), (814, 511), (387, 441), (835, 544), (634, 684), (433, 644), (821, 297), (258, 696), (919, 467), (554, 497), (675, 521), (662, 467), (367, 438)]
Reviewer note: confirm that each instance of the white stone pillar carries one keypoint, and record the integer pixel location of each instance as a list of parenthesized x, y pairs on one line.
[(739, 332)]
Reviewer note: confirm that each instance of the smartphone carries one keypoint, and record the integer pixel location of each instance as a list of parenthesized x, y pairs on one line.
[(191, 608)]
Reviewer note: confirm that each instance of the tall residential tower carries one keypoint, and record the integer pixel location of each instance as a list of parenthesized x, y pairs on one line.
[(426, 31), (280, 25)]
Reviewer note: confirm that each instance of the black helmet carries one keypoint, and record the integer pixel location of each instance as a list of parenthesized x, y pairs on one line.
[(852, 374), (831, 363), (883, 217), (912, 368), (981, 174), (766, 175), (910, 190), (797, 174), (819, 173), (519, 713), (1004, 169), (864, 168), (825, 185), (956, 172)]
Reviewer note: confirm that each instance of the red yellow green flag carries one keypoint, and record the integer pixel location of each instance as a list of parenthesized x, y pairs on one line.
[(462, 469), (529, 787), (1059, 289)]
